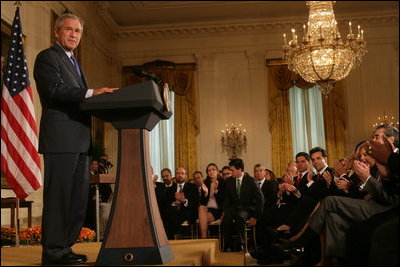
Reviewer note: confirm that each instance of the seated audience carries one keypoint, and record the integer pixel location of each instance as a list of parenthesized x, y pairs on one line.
[(375, 241), (336, 214)]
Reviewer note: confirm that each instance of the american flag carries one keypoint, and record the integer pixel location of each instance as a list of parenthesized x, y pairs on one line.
[(19, 142)]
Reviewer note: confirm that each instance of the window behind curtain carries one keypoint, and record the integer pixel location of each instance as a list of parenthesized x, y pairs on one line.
[(307, 119), (162, 142)]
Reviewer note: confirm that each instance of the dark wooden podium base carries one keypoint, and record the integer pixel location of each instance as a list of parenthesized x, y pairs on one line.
[(135, 234)]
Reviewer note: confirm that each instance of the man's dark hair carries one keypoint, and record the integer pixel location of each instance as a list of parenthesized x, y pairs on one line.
[(166, 169), (389, 132), (198, 172), (319, 149), (303, 154), (226, 167), (237, 163)]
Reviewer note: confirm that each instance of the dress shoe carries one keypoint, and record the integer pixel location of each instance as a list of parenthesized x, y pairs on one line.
[(82, 256), (66, 259)]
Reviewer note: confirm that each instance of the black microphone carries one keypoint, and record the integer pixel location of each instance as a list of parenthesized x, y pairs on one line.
[(149, 76)]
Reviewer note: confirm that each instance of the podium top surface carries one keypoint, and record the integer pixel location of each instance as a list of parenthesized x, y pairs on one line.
[(138, 96), (138, 106)]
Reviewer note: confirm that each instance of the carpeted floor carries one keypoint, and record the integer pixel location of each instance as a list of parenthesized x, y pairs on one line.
[(197, 252)]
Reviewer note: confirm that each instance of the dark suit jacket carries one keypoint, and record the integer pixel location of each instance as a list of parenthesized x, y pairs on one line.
[(320, 189), (64, 128), (191, 194), (302, 185), (251, 198), (269, 190)]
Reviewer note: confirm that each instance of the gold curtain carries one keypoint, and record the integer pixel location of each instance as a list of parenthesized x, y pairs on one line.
[(279, 118), (335, 123), (280, 80), (181, 80)]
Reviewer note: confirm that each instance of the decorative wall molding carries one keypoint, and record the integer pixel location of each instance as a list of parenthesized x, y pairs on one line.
[(107, 22), (238, 27)]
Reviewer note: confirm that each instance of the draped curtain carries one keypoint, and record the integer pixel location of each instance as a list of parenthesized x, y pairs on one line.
[(280, 79), (181, 80), (335, 123)]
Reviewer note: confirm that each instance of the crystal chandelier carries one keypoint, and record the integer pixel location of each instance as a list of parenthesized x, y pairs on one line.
[(321, 57), (390, 120), (233, 140)]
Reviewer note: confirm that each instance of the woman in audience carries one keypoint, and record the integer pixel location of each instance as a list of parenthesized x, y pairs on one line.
[(270, 175), (211, 199)]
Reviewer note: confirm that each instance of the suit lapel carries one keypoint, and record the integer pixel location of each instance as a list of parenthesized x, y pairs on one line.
[(71, 67)]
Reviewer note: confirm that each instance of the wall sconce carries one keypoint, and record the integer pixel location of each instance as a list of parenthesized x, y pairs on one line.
[(233, 140)]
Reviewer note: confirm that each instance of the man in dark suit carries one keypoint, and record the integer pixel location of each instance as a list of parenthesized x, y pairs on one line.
[(243, 201), (183, 199), (162, 195), (269, 190), (64, 141), (303, 164)]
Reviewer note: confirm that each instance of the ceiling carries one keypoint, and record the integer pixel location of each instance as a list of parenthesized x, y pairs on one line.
[(138, 13)]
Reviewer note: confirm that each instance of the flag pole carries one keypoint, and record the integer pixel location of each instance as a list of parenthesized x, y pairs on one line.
[(17, 222), (17, 4)]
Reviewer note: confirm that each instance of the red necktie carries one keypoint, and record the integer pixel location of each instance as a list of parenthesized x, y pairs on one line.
[(298, 179)]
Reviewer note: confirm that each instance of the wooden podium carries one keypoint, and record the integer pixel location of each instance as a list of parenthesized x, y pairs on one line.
[(134, 234)]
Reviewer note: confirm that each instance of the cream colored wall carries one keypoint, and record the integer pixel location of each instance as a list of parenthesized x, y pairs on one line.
[(373, 88), (232, 82), (101, 68)]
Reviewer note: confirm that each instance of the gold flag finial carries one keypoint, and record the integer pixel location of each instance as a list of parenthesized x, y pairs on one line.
[(17, 3)]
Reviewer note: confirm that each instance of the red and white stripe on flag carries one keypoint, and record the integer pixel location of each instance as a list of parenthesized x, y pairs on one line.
[(20, 161)]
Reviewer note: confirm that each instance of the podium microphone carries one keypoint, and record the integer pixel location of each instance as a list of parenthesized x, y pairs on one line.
[(148, 76)]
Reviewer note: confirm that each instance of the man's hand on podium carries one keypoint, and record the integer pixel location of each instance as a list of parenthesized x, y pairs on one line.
[(104, 90)]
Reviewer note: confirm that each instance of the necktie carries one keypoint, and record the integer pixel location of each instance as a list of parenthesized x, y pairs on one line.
[(259, 184), (180, 188), (76, 65), (238, 187), (298, 179)]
